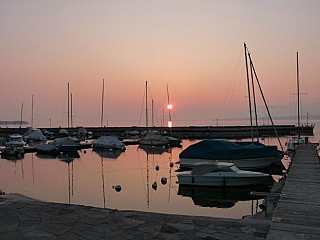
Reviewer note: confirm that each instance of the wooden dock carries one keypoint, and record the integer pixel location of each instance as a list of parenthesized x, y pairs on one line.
[(297, 214)]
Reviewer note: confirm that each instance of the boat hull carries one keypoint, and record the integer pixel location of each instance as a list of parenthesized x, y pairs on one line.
[(223, 181), (246, 163)]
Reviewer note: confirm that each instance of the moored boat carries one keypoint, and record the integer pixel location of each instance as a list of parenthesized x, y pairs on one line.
[(243, 155), (153, 138), (66, 144), (222, 174), (47, 149), (108, 142)]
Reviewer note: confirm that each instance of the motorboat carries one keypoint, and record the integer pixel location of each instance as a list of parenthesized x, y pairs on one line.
[(47, 149), (222, 174), (15, 140), (172, 141), (63, 133), (108, 142), (245, 155), (153, 138), (34, 134), (66, 144), (12, 152)]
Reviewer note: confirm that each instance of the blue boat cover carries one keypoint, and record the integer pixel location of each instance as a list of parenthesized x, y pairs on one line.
[(220, 149)]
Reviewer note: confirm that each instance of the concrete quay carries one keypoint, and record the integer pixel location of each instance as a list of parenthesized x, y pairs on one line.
[(24, 218)]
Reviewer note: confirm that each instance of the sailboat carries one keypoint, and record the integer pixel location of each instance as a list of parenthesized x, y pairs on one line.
[(293, 143), (244, 155), (151, 138), (107, 142)]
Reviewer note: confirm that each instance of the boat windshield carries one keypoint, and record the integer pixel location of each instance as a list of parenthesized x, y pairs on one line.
[(229, 169)]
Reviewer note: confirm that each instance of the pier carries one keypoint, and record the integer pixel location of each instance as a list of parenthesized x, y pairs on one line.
[(297, 213), (189, 132)]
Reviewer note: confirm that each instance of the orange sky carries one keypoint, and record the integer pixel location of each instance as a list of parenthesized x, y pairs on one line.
[(196, 47)]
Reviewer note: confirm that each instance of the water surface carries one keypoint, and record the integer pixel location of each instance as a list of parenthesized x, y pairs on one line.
[(89, 178)]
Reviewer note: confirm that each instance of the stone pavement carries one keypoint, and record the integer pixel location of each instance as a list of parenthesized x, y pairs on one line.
[(24, 218)]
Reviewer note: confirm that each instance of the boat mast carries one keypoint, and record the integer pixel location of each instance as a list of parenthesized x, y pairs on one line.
[(21, 112), (68, 105), (71, 110), (152, 111), (32, 112), (102, 98), (169, 108), (147, 104), (254, 98), (298, 94), (249, 95)]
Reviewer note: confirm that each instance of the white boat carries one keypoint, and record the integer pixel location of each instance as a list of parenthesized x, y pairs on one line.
[(34, 134), (15, 140), (153, 138), (222, 174), (108, 142)]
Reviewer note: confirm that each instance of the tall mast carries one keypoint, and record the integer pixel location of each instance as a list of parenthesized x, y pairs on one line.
[(249, 95), (298, 94), (21, 112), (71, 110), (147, 104), (254, 97), (168, 103), (102, 98), (32, 112), (152, 111), (68, 105)]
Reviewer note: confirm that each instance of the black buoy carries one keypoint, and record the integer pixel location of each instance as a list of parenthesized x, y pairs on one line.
[(155, 185), (84, 151), (171, 164), (117, 188), (164, 180), (157, 168)]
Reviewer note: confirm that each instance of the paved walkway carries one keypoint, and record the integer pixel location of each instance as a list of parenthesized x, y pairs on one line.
[(297, 214), (23, 218)]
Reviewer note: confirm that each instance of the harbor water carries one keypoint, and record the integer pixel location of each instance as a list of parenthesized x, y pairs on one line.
[(90, 179)]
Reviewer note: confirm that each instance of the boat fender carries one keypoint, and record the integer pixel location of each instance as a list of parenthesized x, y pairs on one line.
[(157, 168), (171, 164)]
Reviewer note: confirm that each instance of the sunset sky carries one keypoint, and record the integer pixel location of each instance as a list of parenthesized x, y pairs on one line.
[(196, 47)]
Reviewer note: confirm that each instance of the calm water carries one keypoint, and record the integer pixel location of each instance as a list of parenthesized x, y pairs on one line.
[(89, 180)]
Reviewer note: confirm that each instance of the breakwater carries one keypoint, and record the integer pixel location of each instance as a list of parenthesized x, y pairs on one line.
[(189, 132)]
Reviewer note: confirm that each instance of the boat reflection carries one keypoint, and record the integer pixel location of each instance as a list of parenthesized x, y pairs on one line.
[(69, 158), (220, 197), (106, 153), (154, 149), (45, 156)]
